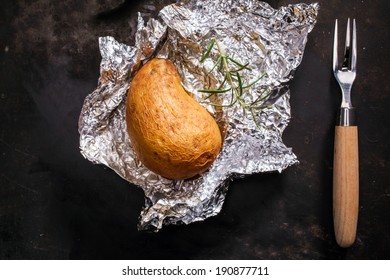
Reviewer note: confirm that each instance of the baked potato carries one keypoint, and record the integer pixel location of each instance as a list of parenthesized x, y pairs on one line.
[(171, 133)]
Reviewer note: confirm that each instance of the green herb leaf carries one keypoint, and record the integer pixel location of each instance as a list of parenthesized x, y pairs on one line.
[(242, 68), (214, 90), (239, 84), (215, 65), (261, 97), (255, 81), (236, 62), (207, 53)]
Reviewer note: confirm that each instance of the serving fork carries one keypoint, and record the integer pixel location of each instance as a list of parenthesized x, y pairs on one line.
[(346, 155)]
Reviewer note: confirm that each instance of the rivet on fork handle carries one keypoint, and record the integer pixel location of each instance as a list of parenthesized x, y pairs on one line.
[(346, 154)]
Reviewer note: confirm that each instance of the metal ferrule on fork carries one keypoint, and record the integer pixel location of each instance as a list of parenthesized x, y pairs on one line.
[(346, 117)]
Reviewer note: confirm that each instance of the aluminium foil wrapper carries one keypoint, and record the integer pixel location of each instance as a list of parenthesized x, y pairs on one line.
[(269, 40)]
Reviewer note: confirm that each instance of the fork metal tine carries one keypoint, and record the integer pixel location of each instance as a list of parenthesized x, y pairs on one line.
[(347, 51), (335, 43), (354, 51), (348, 36)]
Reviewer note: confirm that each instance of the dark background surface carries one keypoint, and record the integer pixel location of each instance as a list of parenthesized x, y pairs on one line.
[(54, 204)]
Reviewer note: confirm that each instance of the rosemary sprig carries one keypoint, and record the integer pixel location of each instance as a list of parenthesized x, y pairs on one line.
[(233, 83)]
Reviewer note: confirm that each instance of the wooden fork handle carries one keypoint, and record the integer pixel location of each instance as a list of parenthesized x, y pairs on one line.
[(345, 184)]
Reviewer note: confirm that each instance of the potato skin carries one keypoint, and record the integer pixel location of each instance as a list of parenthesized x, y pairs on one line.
[(172, 134)]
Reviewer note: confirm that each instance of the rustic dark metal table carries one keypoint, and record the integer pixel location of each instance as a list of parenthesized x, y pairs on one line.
[(54, 204)]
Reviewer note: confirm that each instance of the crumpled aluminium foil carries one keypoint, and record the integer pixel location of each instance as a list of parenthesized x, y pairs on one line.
[(271, 40)]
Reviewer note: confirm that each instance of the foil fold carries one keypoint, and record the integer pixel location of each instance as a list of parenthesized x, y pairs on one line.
[(271, 40)]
